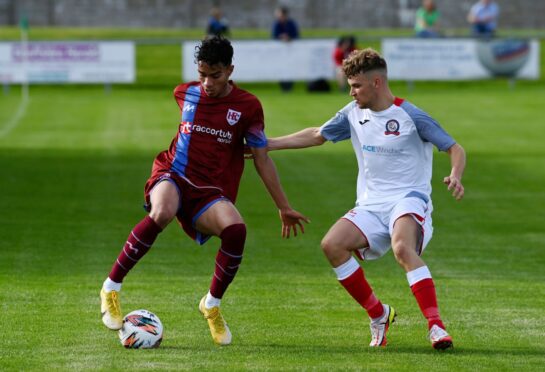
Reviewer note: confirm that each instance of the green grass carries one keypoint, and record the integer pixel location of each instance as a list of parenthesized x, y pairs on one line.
[(174, 34), (71, 190), (73, 171)]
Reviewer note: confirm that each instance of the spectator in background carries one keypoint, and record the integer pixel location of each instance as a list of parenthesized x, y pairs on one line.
[(427, 20), (217, 24), (284, 29), (483, 17), (345, 46)]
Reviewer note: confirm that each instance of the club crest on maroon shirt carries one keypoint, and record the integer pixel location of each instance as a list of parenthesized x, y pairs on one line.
[(233, 117)]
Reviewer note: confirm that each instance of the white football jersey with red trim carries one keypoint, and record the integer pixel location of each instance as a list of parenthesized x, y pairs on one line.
[(394, 150)]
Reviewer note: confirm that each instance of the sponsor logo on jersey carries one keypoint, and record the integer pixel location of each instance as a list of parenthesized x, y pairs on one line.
[(381, 150), (223, 136), (392, 127), (185, 127), (188, 107), (233, 116)]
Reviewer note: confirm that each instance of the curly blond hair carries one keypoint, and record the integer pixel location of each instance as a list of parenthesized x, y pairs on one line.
[(362, 61)]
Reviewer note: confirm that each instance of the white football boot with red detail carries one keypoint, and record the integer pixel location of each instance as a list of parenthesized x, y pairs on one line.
[(380, 326), (439, 338)]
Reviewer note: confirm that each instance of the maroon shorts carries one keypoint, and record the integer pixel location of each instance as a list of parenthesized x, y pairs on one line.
[(194, 201)]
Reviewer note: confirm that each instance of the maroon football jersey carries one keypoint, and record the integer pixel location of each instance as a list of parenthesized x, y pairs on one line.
[(208, 149)]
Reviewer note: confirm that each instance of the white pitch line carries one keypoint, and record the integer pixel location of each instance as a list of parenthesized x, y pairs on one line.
[(21, 110), (19, 114)]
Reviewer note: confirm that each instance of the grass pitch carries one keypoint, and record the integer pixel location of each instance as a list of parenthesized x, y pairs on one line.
[(73, 171)]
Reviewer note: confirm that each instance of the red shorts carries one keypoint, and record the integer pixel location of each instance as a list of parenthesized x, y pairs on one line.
[(194, 201)]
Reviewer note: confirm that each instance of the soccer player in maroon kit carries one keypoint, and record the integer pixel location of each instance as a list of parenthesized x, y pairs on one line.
[(196, 180)]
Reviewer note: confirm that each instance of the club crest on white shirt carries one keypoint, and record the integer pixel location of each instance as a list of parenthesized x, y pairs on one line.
[(392, 127), (233, 116)]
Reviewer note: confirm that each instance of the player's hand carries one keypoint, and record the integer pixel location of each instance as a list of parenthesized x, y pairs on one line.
[(248, 152), (455, 185), (290, 220)]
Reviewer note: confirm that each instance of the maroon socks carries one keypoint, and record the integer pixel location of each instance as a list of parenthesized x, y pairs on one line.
[(228, 258), (138, 244)]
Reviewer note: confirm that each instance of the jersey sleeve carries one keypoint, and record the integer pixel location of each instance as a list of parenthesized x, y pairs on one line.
[(179, 93), (338, 127), (429, 129), (255, 133)]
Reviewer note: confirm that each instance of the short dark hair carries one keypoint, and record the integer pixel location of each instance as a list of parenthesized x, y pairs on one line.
[(214, 50), (362, 61), (284, 10)]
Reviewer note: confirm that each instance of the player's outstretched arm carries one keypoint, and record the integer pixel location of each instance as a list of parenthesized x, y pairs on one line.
[(305, 138), (458, 163), (291, 219)]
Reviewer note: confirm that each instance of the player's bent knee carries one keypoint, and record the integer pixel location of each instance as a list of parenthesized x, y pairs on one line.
[(331, 247), (162, 215), (326, 245), (402, 251), (235, 233), (233, 238)]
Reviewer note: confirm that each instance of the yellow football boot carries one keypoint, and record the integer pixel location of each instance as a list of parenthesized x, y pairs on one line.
[(110, 309), (218, 328)]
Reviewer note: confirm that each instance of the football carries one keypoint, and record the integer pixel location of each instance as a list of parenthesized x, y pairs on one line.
[(141, 330)]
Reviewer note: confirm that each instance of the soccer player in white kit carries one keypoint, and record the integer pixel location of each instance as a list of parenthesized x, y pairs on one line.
[(393, 141)]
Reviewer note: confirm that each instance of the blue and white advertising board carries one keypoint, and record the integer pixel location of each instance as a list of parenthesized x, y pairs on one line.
[(270, 60), (461, 59)]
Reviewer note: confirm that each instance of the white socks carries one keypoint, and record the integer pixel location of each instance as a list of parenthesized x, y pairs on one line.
[(211, 301), (109, 285), (417, 275), (346, 269)]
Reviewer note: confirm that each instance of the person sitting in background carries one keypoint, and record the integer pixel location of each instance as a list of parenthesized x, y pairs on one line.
[(284, 29), (217, 24), (427, 20), (345, 46), (483, 17)]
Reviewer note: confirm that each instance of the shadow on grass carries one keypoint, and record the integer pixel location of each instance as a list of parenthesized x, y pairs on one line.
[(286, 349), (395, 349), (58, 199)]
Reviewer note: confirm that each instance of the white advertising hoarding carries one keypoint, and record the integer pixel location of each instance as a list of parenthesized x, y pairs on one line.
[(460, 59), (270, 60), (67, 62)]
